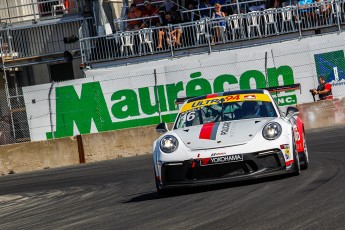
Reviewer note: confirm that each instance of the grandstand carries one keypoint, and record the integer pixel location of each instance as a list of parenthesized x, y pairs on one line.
[(240, 27)]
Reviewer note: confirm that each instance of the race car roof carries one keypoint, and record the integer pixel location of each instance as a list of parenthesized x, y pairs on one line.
[(217, 98)]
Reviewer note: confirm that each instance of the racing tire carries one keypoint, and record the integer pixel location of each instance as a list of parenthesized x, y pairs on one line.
[(296, 163), (159, 190), (162, 192), (303, 156)]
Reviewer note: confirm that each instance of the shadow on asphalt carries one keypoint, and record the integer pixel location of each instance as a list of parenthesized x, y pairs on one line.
[(206, 188)]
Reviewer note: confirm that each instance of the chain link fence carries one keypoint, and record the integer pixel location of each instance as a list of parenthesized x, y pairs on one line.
[(14, 127)]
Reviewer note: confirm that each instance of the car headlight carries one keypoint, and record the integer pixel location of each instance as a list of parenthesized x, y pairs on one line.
[(272, 131), (169, 144)]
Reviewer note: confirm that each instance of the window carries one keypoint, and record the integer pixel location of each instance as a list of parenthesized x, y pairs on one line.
[(61, 72)]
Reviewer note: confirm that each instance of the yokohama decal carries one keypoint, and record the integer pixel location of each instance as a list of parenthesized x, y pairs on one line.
[(209, 131)]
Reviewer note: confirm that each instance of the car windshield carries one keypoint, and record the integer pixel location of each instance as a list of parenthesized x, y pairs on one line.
[(222, 111)]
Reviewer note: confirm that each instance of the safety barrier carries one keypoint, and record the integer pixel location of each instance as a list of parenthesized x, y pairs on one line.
[(24, 157)]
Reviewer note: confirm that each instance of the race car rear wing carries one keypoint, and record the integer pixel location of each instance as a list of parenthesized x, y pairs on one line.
[(181, 100), (276, 89)]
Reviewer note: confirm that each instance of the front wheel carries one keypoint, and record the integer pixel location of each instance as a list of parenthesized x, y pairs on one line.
[(163, 192)]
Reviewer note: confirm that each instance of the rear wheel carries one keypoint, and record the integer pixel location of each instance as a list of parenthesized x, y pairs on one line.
[(303, 156)]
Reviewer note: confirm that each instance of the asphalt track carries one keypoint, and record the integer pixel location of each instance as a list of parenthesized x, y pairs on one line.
[(120, 194)]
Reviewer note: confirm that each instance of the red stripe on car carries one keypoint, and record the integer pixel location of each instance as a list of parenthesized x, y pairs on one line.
[(206, 131), (288, 163)]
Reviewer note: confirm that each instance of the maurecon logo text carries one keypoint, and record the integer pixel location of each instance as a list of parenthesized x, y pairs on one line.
[(231, 158)]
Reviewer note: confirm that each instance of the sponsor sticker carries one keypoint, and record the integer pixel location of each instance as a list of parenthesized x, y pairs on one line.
[(217, 154), (249, 97), (225, 128), (287, 154), (284, 146), (225, 159), (223, 99)]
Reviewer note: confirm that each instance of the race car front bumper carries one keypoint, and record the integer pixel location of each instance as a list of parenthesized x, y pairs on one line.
[(194, 172)]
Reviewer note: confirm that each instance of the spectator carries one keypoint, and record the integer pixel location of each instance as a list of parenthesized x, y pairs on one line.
[(305, 9), (324, 90), (206, 12), (285, 3), (240, 8), (324, 9), (170, 5), (218, 14), (176, 15), (133, 13), (149, 11), (143, 25), (172, 38), (303, 3), (138, 2), (221, 2), (257, 6), (190, 5)]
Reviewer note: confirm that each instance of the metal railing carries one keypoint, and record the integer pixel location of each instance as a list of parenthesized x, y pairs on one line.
[(35, 10), (207, 32), (40, 39)]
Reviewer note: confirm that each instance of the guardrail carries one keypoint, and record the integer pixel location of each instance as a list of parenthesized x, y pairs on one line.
[(28, 10), (25, 42), (207, 32)]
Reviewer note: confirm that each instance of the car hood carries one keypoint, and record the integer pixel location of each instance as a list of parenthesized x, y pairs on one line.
[(221, 134)]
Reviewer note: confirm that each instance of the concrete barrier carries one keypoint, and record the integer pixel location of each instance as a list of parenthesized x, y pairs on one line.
[(31, 156), (119, 143), (325, 113), (129, 142)]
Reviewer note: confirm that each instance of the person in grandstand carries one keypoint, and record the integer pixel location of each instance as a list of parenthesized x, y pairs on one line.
[(172, 38), (205, 13), (149, 11), (133, 13), (219, 25), (285, 3), (324, 90), (257, 6), (324, 10)]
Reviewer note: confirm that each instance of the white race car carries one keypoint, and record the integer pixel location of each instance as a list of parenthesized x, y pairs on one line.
[(229, 136)]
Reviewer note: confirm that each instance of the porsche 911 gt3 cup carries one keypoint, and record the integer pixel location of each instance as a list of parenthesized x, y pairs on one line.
[(229, 136)]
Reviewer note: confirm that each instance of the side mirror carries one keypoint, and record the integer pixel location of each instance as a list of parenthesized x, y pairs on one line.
[(291, 111), (162, 127)]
